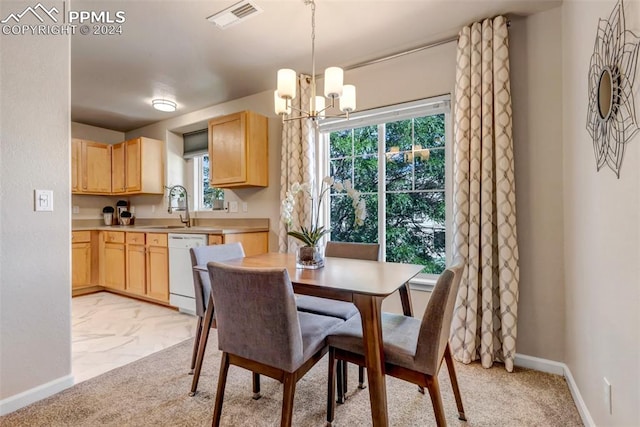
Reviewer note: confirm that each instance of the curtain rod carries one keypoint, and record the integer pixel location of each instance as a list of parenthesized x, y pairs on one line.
[(403, 53), (407, 52)]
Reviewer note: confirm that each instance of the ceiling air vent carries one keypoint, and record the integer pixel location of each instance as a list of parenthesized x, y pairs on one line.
[(235, 14)]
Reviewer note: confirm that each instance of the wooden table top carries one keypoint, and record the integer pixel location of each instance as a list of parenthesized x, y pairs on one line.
[(340, 278)]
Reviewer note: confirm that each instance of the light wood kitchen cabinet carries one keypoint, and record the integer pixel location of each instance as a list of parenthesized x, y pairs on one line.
[(112, 259), (138, 167), (90, 167), (158, 267), (238, 150), (253, 243), (136, 263), (81, 259), (147, 265)]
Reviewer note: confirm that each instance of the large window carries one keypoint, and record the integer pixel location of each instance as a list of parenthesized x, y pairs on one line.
[(397, 158)]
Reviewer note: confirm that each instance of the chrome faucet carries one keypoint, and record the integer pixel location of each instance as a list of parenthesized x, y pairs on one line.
[(181, 191)]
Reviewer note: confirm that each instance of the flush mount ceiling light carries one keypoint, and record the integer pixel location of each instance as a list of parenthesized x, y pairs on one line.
[(333, 86), (164, 105)]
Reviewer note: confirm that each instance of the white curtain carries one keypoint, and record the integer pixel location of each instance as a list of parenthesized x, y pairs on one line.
[(484, 231), (298, 163)]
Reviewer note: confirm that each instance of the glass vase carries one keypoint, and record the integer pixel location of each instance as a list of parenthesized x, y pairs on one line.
[(310, 257)]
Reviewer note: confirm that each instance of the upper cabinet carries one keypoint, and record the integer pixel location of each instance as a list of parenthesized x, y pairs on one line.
[(238, 150), (90, 167), (138, 167), (131, 167)]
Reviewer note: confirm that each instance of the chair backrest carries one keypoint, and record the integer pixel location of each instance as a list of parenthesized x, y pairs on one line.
[(201, 255), (436, 322), (256, 315), (366, 251)]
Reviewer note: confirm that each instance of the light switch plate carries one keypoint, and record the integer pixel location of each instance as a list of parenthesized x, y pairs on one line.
[(43, 200), (233, 206)]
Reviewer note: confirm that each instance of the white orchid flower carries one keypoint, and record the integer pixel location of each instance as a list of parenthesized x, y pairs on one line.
[(328, 180), (338, 186)]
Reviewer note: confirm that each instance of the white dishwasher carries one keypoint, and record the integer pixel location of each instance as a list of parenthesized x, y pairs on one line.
[(181, 292)]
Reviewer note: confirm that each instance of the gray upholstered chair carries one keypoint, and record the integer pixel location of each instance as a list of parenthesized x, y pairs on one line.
[(340, 309), (201, 255), (260, 329), (413, 349)]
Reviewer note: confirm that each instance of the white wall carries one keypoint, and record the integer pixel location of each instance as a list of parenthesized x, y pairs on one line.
[(536, 73), (602, 236), (35, 279), (94, 133)]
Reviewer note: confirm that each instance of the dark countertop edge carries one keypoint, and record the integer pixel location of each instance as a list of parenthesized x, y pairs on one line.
[(191, 230)]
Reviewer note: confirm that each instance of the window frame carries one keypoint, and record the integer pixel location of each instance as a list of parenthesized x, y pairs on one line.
[(379, 117)]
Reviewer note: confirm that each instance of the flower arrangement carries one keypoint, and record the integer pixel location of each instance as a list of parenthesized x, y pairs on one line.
[(311, 235)]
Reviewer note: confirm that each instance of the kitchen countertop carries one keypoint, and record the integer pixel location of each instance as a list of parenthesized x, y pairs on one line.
[(176, 229)]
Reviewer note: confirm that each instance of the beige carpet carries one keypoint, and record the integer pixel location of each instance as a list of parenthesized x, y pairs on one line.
[(153, 392)]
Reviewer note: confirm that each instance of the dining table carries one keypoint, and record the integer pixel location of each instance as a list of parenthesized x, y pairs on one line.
[(364, 283)]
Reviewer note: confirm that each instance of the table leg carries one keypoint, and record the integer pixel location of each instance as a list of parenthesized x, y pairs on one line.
[(405, 298), (206, 328), (370, 308)]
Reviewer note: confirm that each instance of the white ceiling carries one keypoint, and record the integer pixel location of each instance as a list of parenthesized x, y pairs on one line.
[(168, 48)]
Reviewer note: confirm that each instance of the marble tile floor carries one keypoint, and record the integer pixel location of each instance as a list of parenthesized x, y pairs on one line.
[(109, 331)]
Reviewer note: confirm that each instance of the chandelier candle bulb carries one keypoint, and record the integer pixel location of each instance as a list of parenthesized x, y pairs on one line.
[(286, 83), (333, 81), (280, 104), (348, 99)]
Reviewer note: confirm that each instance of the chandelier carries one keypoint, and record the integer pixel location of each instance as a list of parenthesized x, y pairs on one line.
[(333, 87)]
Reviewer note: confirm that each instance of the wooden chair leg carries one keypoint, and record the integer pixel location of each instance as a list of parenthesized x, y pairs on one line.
[(331, 387), (204, 338), (361, 378), (222, 382), (454, 382), (195, 345), (345, 387), (256, 386), (436, 400), (287, 399), (340, 381)]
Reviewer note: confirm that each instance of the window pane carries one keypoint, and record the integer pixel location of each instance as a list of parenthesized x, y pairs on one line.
[(429, 131), (399, 172), (366, 174), (341, 169), (340, 144), (430, 173), (365, 140), (415, 229), (398, 134), (207, 192), (342, 218)]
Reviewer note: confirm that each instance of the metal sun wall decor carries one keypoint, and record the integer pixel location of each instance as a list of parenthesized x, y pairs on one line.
[(611, 119)]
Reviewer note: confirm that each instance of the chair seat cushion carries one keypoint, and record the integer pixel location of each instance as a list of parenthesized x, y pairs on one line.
[(326, 307), (315, 329), (399, 334)]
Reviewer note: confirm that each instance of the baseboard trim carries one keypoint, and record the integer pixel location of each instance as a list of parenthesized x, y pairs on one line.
[(40, 392), (558, 368)]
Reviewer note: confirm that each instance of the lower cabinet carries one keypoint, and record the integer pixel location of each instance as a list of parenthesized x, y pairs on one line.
[(81, 259), (112, 260), (148, 266), (157, 267), (252, 243)]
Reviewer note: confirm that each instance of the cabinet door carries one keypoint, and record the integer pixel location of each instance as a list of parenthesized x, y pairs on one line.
[(252, 243), (96, 167), (80, 265), (132, 161), (227, 150), (114, 262), (158, 273), (136, 266), (117, 168), (76, 147), (215, 239)]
